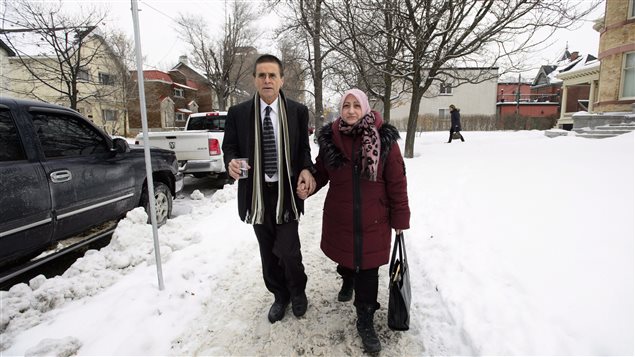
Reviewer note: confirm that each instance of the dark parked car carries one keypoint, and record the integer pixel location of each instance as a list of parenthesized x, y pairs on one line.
[(60, 175)]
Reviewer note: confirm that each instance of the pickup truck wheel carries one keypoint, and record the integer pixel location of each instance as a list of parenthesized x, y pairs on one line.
[(163, 202)]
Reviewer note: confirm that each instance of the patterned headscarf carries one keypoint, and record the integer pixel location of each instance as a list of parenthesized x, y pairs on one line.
[(365, 127)]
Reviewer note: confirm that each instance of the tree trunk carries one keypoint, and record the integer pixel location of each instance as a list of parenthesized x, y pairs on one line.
[(415, 103), (317, 62), (222, 101), (417, 93), (387, 96)]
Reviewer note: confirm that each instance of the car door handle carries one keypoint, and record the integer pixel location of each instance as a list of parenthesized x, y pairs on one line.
[(61, 176)]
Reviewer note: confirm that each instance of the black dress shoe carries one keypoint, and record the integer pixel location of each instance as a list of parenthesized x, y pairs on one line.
[(276, 312), (299, 304)]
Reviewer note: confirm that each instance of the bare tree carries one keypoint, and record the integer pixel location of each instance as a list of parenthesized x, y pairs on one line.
[(440, 36), (226, 60), (305, 21), (366, 37), (295, 74), (122, 49), (55, 48)]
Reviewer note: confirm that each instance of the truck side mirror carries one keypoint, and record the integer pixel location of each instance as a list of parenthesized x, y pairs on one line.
[(120, 146)]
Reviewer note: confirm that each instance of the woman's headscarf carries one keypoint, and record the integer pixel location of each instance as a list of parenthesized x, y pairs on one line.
[(366, 128), (361, 98)]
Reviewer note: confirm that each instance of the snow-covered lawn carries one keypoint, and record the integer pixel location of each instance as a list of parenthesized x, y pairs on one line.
[(520, 244)]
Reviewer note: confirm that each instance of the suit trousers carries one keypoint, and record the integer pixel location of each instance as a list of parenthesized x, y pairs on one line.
[(366, 285), (280, 254)]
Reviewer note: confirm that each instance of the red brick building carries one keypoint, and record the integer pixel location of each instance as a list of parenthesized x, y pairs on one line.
[(507, 91), (171, 97), (529, 105), (528, 109)]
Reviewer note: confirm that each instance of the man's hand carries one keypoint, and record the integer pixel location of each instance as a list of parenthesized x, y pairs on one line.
[(306, 184), (234, 169)]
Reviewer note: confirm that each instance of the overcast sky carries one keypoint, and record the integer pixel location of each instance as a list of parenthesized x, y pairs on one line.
[(162, 47)]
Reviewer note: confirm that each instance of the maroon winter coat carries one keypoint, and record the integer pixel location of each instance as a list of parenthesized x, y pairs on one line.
[(362, 242)]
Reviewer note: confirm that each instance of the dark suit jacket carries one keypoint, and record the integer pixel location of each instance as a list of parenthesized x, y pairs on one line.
[(239, 142)]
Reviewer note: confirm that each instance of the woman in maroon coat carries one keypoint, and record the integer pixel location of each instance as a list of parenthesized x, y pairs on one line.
[(366, 199)]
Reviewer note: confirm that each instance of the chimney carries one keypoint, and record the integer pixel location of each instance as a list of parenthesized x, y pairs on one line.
[(574, 56), (183, 59)]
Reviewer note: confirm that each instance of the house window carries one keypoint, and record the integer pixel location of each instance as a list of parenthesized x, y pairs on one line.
[(106, 79), (445, 89), (82, 75), (444, 113), (631, 10), (178, 92), (109, 115), (628, 76), (179, 116)]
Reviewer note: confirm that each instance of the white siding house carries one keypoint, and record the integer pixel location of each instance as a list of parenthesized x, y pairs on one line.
[(472, 99)]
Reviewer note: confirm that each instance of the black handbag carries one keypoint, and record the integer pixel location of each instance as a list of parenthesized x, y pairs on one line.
[(399, 288)]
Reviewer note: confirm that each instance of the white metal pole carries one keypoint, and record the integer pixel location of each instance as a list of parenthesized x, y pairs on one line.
[(146, 144)]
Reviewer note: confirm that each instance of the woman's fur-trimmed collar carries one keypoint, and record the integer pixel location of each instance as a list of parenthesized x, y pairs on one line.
[(333, 155)]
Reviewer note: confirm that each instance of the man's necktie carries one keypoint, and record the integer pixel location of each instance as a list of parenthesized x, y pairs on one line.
[(269, 145)]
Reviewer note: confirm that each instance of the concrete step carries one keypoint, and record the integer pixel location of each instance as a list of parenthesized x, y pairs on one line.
[(594, 135), (553, 133), (611, 131), (620, 126)]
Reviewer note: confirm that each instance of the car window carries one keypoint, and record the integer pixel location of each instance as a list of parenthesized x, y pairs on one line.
[(10, 145), (64, 135), (213, 123)]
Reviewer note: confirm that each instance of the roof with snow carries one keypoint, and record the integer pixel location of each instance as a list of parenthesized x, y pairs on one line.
[(4, 46), (156, 75), (549, 74)]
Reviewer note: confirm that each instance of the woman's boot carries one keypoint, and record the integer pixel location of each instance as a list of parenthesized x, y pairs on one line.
[(346, 292), (366, 328)]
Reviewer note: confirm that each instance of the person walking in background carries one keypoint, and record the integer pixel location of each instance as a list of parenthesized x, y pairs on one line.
[(455, 126), (367, 196), (272, 133)]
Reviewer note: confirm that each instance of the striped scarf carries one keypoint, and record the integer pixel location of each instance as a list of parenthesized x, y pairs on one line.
[(284, 168)]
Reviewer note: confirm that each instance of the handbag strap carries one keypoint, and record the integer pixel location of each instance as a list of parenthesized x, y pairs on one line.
[(401, 248), (402, 251)]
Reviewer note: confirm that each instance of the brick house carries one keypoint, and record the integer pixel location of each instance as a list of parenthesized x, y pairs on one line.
[(507, 91), (545, 87), (616, 91), (170, 97), (513, 96), (613, 99), (569, 83)]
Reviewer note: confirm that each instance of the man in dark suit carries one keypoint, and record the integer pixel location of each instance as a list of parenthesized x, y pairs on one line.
[(272, 133)]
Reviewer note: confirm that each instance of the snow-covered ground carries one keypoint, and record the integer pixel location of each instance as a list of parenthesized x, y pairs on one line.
[(520, 244)]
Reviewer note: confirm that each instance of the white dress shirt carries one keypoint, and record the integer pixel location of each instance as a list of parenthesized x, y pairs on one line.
[(273, 114)]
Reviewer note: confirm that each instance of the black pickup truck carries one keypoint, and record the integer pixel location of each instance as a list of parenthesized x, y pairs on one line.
[(61, 176)]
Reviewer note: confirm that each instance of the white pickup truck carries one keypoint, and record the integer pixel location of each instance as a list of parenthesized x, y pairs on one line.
[(198, 146)]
